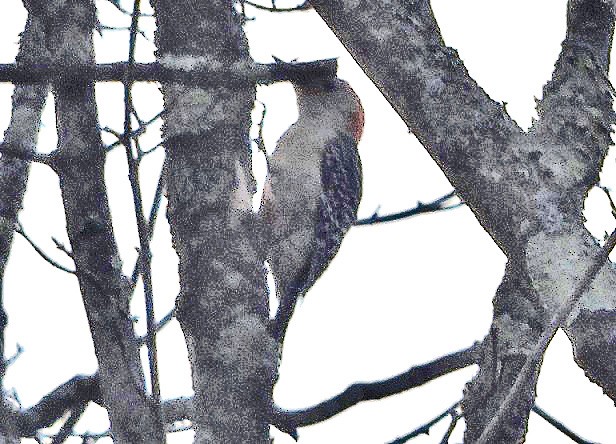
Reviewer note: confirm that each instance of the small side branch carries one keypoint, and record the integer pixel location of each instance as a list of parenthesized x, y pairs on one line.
[(301, 7), (78, 391), (430, 207), (560, 426), (19, 230), (29, 155), (67, 396), (425, 428), (67, 428), (455, 417)]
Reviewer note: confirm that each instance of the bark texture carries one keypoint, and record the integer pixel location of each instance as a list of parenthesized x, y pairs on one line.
[(526, 189), (222, 306), (79, 162), (22, 136)]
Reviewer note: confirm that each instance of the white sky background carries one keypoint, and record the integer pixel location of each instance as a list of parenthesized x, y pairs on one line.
[(397, 295)]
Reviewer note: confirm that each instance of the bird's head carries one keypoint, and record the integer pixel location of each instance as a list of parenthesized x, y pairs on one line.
[(331, 99)]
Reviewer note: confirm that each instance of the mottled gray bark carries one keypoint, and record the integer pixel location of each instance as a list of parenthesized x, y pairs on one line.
[(222, 307), (526, 190), (79, 162), (22, 136)]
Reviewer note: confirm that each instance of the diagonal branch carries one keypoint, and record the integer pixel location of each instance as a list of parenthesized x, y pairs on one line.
[(67, 428), (356, 393), (420, 208), (82, 389), (560, 426), (534, 357), (19, 230), (425, 428), (429, 87), (301, 7), (76, 391)]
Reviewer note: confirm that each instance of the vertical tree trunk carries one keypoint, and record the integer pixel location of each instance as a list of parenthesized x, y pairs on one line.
[(222, 306), (79, 162), (22, 135)]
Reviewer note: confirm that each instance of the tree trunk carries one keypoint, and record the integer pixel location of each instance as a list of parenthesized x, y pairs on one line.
[(222, 307), (22, 135), (526, 189), (79, 162)]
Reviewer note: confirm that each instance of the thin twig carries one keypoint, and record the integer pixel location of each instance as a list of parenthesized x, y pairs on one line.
[(561, 316), (425, 428), (142, 227), (259, 140), (145, 152), (158, 195), (102, 27), (606, 190), (560, 426), (455, 416), (301, 7), (135, 133), (116, 4), (19, 230), (15, 356), (67, 428), (430, 207), (159, 326)]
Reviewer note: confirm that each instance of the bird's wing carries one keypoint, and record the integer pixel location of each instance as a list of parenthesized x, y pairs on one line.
[(338, 203), (336, 213)]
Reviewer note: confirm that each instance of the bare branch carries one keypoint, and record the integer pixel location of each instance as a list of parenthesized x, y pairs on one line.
[(67, 428), (155, 72), (455, 416), (63, 248), (18, 148), (116, 4), (145, 254), (560, 426), (159, 326), (19, 230), (301, 7), (259, 140), (430, 207), (609, 197), (133, 134), (158, 195), (29, 155), (15, 356), (356, 393), (425, 428), (79, 163), (67, 396), (103, 28)]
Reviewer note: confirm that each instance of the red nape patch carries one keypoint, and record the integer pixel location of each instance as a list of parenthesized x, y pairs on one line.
[(356, 127)]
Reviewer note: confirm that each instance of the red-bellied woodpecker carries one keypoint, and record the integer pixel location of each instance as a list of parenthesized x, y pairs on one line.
[(312, 190)]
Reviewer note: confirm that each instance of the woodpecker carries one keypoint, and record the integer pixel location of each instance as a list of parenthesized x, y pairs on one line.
[(312, 190)]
